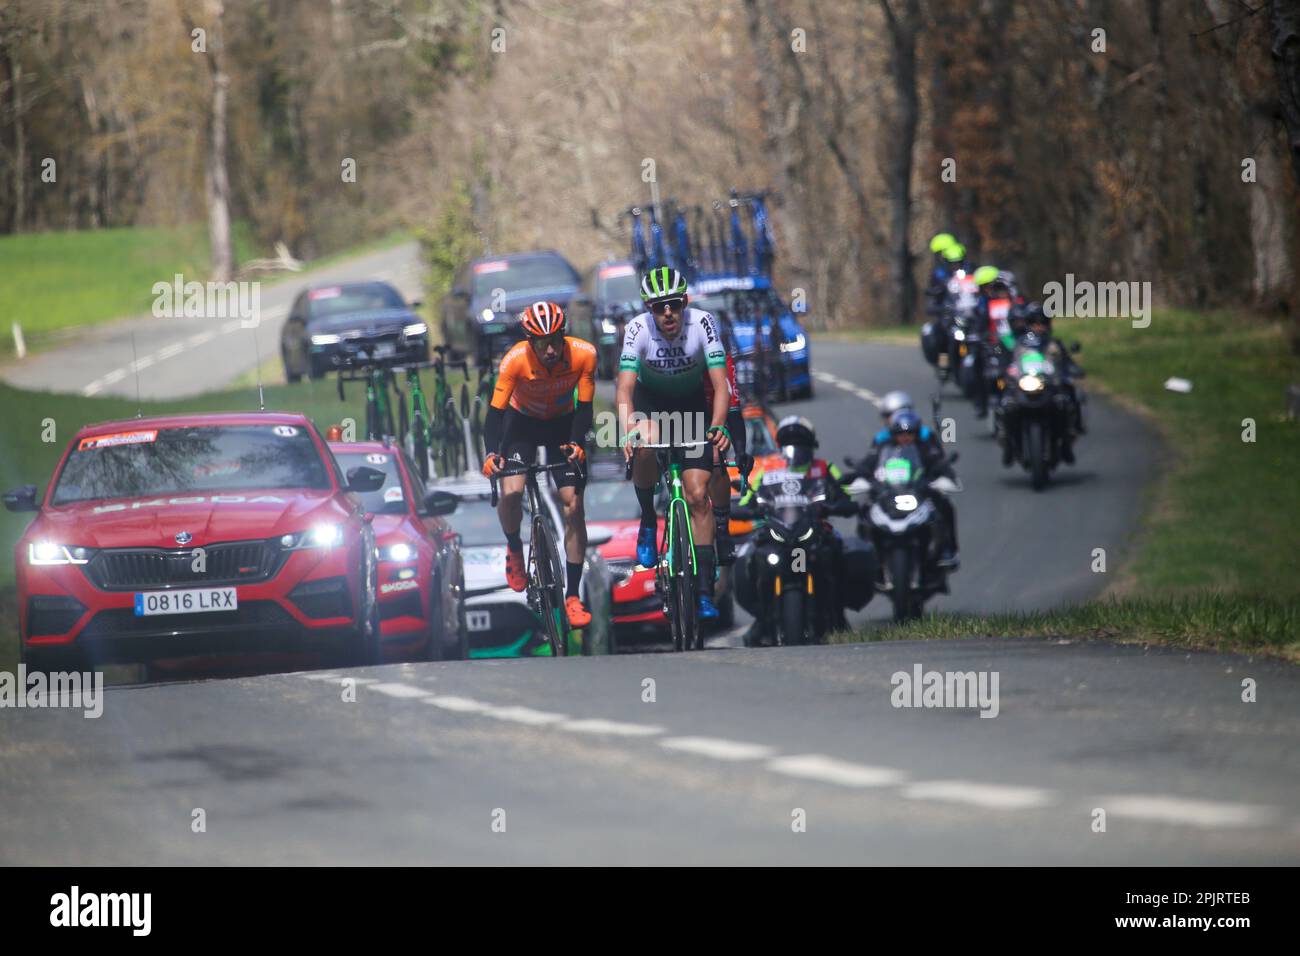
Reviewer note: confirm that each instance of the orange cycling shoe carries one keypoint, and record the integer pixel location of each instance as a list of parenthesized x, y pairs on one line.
[(579, 616), (516, 576)]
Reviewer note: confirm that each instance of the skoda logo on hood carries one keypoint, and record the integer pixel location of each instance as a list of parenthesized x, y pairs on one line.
[(184, 537)]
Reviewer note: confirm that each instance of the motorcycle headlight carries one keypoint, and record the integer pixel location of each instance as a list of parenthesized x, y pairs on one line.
[(807, 534), (905, 502), (487, 315), (329, 338), (608, 327), (321, 536), (48, 554), (1031, 383), (776, 535)]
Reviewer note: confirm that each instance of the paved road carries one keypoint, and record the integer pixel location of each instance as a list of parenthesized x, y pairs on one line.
[(715, 770), (179, 357)]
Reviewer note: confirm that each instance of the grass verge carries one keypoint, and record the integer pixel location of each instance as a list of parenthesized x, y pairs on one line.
[(1215, 564)]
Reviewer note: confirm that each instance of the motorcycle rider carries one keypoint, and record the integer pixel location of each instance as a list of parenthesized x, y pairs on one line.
[(1038, 323), (941, 271), (905, 429), (798, 440)]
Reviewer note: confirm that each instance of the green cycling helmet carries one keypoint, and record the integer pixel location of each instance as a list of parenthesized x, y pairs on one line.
[(664, 282), (942, 241), (955, 253), (985, 274)]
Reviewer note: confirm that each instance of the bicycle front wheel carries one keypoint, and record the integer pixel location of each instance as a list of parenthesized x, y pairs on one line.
[(686, 631), (550, 591)]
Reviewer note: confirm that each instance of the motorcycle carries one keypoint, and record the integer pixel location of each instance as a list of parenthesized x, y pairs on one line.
[(902, 525), (789, 575), (1035, 413)]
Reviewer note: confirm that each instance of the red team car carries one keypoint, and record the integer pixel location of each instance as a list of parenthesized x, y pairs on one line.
[(421, 577), (195, 535)]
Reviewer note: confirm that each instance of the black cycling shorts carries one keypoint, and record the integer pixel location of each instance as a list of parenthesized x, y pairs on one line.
[(521, 435), (681, 418)]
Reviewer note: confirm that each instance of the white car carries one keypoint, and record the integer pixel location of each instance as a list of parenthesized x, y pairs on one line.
[(498, 620)]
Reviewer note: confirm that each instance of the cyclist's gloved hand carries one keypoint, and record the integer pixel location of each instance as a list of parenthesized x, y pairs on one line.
[(492, 464), (720, 437), (574, 452)]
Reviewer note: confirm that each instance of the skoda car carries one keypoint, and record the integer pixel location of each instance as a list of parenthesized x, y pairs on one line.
[(196, 535), (421, 580)]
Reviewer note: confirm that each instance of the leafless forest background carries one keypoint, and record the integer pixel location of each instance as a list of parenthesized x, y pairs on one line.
[(1173, 156)]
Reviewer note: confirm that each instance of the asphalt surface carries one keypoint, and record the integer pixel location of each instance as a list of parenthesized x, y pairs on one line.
[(179, 357), (726, 752)]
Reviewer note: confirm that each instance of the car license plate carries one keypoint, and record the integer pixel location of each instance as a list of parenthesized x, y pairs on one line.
[(189, 601), (385, 350)]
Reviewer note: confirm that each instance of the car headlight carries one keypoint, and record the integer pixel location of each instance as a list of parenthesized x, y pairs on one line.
[(796, 344), (415, 328), (401, 551), (321, 536), (48, 554), (905, 502), (328, 338), (958, 335), (1031, 383)]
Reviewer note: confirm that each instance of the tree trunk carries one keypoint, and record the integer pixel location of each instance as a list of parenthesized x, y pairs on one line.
[(903, 27), (20, 143), (1284, 26), (218, 181)]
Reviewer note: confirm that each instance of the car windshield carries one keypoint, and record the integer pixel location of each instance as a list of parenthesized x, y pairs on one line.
[(519, 276), (344, 300), (391, 498), (141, 462), (475, 520), (610, 501), (619, 288)]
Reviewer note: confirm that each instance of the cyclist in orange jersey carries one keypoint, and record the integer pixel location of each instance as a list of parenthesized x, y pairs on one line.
[(543, 396)]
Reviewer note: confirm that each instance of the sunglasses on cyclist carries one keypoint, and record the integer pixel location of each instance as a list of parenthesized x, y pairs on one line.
[(543, 342), (659, 308)]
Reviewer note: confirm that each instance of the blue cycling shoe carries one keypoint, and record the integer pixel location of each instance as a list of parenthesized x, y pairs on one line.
[(708, 610), (647, 555)]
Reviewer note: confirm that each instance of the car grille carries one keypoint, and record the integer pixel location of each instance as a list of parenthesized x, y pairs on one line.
[(130, 569), (123, 622)]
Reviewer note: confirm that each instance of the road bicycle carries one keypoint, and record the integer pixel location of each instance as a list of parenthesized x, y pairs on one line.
[(380, 381), (546, 574)]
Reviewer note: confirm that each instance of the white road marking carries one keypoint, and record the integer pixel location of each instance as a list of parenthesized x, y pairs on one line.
[(597, 725), (717, 748), (398, 690), (1180, 810), (461, 705), (327, 676), (866, 394), (199, 338), (990, 796), (830, 770), (525, 715)]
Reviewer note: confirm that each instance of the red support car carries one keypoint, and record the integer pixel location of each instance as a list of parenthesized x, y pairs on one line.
[(196, 535), (421, 577)]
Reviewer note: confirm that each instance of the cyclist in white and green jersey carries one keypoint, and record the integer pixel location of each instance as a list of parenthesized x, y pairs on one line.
[(667, 353)]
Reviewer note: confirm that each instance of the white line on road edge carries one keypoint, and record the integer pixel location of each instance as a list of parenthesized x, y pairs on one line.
[(866, 394), (461, 705), (717, 748), (525, 715), (1192, 813), (597, 725), (990, 796), (830, 770)]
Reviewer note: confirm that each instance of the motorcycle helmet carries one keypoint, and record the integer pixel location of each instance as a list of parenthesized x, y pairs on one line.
[(941, 241), (893, 402), (797, 438), (905, 422)]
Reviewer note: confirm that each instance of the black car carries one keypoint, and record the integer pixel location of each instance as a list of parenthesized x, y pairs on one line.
[(480, 316), (330, 324), (614, 291)]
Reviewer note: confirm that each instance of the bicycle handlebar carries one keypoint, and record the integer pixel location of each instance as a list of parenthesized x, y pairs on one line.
[(522, 468)]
